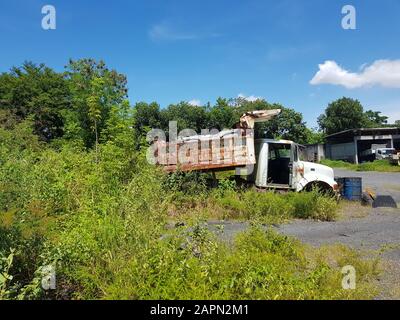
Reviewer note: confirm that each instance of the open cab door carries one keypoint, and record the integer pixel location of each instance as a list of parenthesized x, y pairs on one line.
[(276, 161)]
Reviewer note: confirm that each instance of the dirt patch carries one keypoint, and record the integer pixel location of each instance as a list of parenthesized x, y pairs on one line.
[(352, 210)]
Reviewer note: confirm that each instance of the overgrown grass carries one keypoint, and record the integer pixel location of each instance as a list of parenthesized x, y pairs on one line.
[(271, 207), (190, 263), (227, 201), (101, 219), (378, 165)]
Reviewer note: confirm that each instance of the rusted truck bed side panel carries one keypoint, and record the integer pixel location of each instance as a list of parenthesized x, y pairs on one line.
[(209, 153), (227, 149)]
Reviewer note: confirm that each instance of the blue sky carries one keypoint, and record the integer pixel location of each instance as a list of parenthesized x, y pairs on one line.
[(200, 50)]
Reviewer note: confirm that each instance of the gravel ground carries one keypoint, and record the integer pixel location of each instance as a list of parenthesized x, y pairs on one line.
[(381, 227), (377, 229), (383, 183)]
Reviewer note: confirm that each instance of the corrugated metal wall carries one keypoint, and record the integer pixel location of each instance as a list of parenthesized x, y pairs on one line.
[(341, 151)]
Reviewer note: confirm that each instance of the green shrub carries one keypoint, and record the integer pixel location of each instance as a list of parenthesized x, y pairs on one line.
[(313, 205), (271, 207), (378, 165)]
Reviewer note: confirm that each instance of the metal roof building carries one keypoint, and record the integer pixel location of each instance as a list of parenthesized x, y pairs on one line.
[(348, 145)]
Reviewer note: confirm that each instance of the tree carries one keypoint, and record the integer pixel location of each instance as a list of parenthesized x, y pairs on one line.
[(94, 107), (38, 91), (288, 125), (347, 113), (314, 136), (375, 119), (146, 116), (342, 114), (397, 123), (119, 130), (186, 115), (95, 89), (222, 115)]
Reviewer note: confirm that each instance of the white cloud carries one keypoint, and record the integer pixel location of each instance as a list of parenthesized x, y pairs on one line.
[(195, 103), (385, 73), (164, 32), (249, 98)]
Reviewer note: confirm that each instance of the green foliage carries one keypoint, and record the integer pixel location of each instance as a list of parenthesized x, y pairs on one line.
[(315, 137), (288, 125), (5, 266), (187, 183), (146, 116), (226, 186), (375, 119), (189, 263), (102, 224), (346, 113), (186, 116), (38, 91), (342, 114), (270, 207), (377, 165), (95, 90), (313, 205), (223, 115)]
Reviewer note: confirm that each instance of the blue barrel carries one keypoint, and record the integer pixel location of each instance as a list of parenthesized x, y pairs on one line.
[(352, 189)]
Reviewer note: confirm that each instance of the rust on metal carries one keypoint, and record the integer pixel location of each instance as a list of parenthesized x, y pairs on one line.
[(227, 149)]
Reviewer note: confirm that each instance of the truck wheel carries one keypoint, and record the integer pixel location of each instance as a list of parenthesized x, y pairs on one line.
[(321, 187)]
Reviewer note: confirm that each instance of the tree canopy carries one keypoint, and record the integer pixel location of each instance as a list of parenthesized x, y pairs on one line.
[(346, 113), (38, 91), (87, 103)]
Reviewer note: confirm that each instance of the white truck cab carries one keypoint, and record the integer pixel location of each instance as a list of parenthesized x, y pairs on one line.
[(279, 166)]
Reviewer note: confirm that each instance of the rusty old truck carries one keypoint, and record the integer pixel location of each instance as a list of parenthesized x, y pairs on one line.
[(264, 163)]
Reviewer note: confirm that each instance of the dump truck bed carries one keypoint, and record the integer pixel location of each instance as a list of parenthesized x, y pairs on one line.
[(228, 149)]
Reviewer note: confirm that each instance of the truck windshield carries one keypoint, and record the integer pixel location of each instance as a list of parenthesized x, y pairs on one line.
[(387, 152)]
